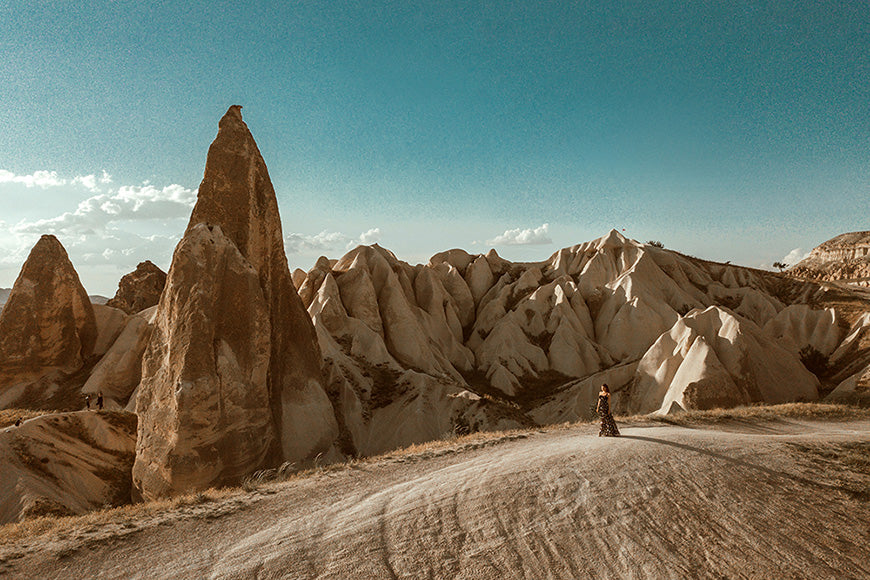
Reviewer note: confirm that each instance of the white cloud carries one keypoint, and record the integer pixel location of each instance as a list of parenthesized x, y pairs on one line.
[(795, 256), (101, 212), (323, 242), (523, 237), (41, 179), (115, 227), (366, 238), (46, 179)]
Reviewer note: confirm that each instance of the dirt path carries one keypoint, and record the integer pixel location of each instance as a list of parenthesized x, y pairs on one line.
[(770, 500)]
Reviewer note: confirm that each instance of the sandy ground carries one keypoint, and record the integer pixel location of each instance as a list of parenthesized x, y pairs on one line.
[(739, 500)]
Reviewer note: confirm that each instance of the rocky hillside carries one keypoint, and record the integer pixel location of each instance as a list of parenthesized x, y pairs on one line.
[(845, 257), (666, 331), (239, 365)]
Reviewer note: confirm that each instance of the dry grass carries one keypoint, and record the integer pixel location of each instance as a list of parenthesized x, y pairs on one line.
[(825, 411), (124, 517), (9, 416)]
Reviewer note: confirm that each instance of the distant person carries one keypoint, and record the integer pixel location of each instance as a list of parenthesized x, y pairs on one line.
[(608, 425), (18, 422), (88, 401), (100, 401)]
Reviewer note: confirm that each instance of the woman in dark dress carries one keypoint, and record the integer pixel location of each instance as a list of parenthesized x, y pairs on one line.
[(608, 426)]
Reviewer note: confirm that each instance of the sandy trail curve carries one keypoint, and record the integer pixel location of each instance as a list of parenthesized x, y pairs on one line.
[(740, 501)]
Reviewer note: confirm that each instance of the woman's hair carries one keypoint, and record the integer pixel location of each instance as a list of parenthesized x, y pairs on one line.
[(605, 388)]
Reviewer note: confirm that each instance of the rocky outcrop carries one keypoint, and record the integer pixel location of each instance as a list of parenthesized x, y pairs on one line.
[(799, 326), (140, 289), (47, 330), (712, 359), (231, 379), (203, 402), (66, 464), (845, 257), (48, 320), (532, 342), (119, 371)]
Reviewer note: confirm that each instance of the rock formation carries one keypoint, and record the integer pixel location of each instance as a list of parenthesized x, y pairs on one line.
[(120, 369), (711, 359), (140, 289), (236, 194), (845, 257), (203, 403), (231, 379), (530, 343), (47, 330), (65, 464)]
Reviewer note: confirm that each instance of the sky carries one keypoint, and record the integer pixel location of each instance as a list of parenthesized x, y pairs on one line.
[(726, 130)]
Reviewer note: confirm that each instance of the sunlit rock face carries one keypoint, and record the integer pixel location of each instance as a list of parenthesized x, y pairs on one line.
[(140, 289), (47, 332), (845, 257), (237, 194), (231, 379), (48, 320), (711, 359), (204, 407), (531, 343)]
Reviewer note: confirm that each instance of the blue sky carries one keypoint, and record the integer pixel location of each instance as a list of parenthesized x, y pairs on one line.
[(731, 132)]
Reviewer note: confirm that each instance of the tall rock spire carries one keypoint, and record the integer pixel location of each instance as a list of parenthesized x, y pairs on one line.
[(232, 379), (236, 193)]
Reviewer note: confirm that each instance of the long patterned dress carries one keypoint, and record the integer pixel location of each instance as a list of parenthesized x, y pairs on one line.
[(608, 425)]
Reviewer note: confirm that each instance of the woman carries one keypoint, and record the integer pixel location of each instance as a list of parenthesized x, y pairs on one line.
[(608, 426)]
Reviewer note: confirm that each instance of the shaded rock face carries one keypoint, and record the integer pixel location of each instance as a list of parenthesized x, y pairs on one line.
[(66, 464), (237, 194), (139, 289), (47, 333), (119, 371), (204, 407)]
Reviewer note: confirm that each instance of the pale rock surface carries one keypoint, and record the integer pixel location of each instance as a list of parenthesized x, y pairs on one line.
[(204, 409), (799, 326), (65, 464), (367, 325), (711, 359), (541, 332), (110, 323), (119, 371)]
